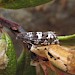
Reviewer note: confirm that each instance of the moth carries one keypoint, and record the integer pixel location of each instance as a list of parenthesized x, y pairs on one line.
[(47, 47), (44, 47)]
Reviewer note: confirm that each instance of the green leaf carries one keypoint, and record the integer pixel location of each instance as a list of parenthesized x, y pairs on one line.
[(23, 64), (16, 4), (12, 61)]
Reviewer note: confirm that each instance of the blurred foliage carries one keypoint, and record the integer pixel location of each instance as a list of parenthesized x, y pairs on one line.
[(11, 54), (57, 16), (16, 4)]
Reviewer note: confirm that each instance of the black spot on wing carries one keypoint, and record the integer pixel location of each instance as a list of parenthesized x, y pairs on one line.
[(51, 56)]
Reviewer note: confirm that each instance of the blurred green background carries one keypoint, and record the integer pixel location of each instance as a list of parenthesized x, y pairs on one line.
[(56, 16)]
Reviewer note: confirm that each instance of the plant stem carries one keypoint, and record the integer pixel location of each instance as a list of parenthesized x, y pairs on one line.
[(67, 40)]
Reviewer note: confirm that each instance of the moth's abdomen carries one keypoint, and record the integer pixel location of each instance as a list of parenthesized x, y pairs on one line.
[(39, 38)]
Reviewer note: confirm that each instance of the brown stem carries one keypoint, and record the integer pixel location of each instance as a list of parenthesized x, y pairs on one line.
[(16, 28)]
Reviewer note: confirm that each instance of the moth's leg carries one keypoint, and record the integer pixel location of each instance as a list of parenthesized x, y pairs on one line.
[(14, 27)]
